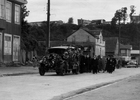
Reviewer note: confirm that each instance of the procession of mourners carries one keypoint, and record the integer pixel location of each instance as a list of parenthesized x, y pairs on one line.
[(76, 61)]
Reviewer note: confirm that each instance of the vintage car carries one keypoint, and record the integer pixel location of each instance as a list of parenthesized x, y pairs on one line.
[(132, 63), (62, 60)]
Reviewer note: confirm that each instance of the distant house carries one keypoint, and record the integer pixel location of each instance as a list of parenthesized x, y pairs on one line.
[(83, 22), (39, 23), (125, 51), (107, 22), (91, 40), (95, 22), (98, 21), (135, 19), (112, 46), (136, 54), (10, 30)]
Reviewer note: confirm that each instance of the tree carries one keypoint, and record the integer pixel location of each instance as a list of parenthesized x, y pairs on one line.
[(70, 20), (124, 14), (113, 22), (118, 16), (24, 27), (28, 39), (132, 10)]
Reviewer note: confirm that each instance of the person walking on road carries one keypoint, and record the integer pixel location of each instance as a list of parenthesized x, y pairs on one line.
[(94, 64), (35, 62), (100, 65), (109, 65), (104, 64)]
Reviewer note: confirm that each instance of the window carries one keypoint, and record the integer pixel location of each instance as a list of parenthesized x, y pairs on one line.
[(8, 11), (17, 14), (123, 52), (16, 47), (2, 10), (7, 44)]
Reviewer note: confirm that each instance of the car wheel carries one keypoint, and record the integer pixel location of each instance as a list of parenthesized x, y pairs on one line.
[(41, 71)]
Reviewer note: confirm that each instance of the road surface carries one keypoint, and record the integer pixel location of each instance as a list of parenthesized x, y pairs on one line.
[(128, 89), (51, 86)]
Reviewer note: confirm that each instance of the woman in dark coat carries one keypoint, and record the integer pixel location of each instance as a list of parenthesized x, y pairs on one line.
[(104, 64), (94, 64), (100, 65), (82, 63), (109, 65)]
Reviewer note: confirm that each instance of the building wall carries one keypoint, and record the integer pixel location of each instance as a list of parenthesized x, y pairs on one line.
[(83, 22), (100, 46), (2, 24), (99, 50), (125, 52), (83, 36), (10, 29)]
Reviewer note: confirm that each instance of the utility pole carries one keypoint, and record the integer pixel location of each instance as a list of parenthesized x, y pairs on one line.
[(48, 25), (119, 39)]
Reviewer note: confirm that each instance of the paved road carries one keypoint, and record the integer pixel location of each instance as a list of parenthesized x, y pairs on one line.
[(128, 89), (51, 86)]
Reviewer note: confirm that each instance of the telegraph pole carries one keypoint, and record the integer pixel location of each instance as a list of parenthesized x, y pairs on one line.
[(119, 39), (48, 25)]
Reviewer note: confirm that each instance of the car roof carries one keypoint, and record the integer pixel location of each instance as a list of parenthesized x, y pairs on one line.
[(62, 47)]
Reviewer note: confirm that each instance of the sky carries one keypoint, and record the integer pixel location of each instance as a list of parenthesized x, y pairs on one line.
[(77, 9)]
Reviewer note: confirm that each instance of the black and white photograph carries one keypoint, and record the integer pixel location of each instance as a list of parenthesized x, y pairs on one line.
[(69, 50)]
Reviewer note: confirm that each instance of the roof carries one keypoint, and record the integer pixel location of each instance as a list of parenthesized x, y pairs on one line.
[(65, 43), (21, 1), (122, 46), (62, 47), (94, 33), (111, 43)]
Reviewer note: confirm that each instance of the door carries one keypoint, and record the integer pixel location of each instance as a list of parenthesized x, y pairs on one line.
[(16, 47)]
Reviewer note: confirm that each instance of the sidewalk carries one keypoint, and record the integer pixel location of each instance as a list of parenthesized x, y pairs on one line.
[(13, 71)]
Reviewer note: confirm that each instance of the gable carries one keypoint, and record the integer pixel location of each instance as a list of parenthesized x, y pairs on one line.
[(127, 47), (81, 36), (80, 32)]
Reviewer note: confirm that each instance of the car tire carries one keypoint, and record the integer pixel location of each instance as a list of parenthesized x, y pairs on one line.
[(41, 71)]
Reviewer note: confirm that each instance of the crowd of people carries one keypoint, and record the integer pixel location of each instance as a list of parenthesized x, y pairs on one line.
[(97, 64), (88, 64), (93, 64)]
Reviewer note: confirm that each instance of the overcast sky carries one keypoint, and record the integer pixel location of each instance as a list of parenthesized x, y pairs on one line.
[(85, 9)]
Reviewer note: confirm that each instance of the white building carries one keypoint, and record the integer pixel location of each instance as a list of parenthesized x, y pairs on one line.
[(89, 39)]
